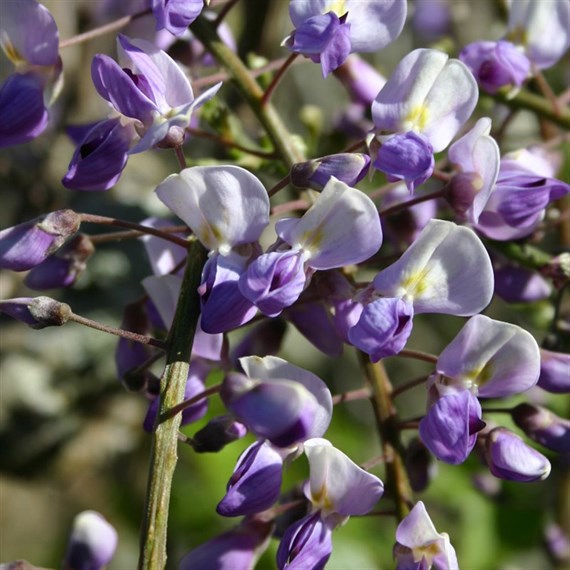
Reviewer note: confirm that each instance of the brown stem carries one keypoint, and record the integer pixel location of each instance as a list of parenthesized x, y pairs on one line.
[(106, 221), (180, 156), (224, 12), (117, 332), (387, 423), (547, 91), (405, 205), (408, 386), (278, 76), (290, 207), (409, 424), (171, 412), (132, 234), (101, 30), (360, 394), (355, 146), (418, 355), (279, 186)]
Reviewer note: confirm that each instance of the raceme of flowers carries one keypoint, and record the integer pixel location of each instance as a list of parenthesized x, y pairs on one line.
[(305, 269)]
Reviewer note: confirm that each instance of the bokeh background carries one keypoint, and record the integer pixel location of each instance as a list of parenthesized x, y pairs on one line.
[(71, 436)]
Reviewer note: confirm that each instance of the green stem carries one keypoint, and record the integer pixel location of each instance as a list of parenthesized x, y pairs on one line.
[(539, 105), (387, 421), (523, 253), (165, 438), (250, 90)]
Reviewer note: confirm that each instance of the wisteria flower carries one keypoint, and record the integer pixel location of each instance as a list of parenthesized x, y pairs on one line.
[(327, 32)]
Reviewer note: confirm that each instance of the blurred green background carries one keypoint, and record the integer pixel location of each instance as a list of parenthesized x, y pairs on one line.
[(70, 435)]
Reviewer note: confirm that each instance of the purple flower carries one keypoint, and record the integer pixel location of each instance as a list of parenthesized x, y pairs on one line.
[(419, 546), (217, 433), (30, 39), (237, 549), (255, 483), (515, 284), (360, 79), (408, 157), (496, 64), (19, 309), (554, 372), (329, 33), (449, 430), (349, 168), (543, 426), (383, 328), (432, 18), (508, 457), (28, 244), (100, 156), (64, 267), (150, 89), (92, 543), (176, 15)]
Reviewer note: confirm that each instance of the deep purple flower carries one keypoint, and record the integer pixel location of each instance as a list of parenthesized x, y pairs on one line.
[(100, 156), (255, 483), (176, 15), (554, 372), (496, 64), (516, 284), (37, 312), (92, 543), (237, 549), (408, 157), (217, 433), (383, 328), (509, 457), (449, 430), (28, 244), (18, 308)]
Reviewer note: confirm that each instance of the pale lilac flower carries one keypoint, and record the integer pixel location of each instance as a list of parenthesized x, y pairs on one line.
[(337, 488), (92, 543), (432, 18), (419, 546), (541, 28), (477, 157), (543, 426), (28, 244), (360, 79), (30, 39), (340, 228), (427, 94), (554, 371), (516, 284), (509, 457), (496, 65), (327, 32), (236, 549)]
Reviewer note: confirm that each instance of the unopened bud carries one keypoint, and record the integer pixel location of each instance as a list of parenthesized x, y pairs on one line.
[(461, 191), (218, 432), (26, 245), (543, 426), (420, 465), (349, 168), (174, 138), (38, 313)]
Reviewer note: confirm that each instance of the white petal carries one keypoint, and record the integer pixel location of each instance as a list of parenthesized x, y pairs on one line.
[(224, 206), (163, 292), (446, 270)]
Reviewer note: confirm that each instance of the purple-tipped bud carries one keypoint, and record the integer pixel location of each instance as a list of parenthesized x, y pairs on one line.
[(554, 372), (38, 313), (255, 483), (92, 543), (543, 426), (283, 411), (408, 157), (496, 64), (64, 267), (509, 457), (217, 433), (27, 245), (347, 167), (237, 549), (419, 465), (520, 285), (461, 191)]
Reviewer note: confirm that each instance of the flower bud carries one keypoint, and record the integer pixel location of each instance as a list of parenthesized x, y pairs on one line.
[(64, 267), (92, 543), (217, 433), (543, 426), (509, 457), (26, 245), (349, 168), (38, 313), (419, 465), (554, 372), (461, 191)]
